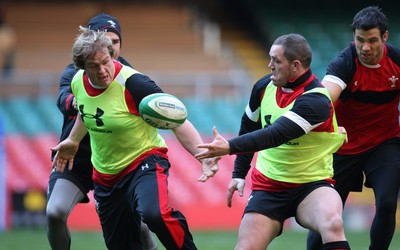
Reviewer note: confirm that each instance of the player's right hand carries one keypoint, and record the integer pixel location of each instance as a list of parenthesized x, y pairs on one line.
[(342, 130), (236, 184), (66, 151), (218, 147), (209, 168)]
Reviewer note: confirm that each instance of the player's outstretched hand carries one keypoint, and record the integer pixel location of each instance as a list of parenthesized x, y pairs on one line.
[(342, 130), (218, 147), (209, 168), (66, 151), (236, 184)]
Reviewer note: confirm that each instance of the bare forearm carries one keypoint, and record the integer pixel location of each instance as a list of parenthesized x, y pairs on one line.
[(189, 137), (78, 131)]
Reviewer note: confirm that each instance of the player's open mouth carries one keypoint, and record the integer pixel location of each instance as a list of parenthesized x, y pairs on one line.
[(103, 78), (366, 55)]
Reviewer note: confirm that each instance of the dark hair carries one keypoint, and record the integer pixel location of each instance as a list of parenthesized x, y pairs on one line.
[(295, 47), (369, 18)]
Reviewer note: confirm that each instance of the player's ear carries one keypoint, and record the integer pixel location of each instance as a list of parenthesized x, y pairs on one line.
[(295, 65), (385, 36)]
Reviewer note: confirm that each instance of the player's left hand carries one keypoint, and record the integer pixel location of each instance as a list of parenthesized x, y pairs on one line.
[(236, 184), (74, 103), (209, 168)]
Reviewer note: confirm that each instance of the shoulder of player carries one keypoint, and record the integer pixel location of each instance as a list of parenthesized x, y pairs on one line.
[(258, 90), (137, 79), (313, 107), (348, 53), (313, 98), (344, 64), (260, 85), (393, 53), (68, 73), (140, 85), (124, 61), (263, 81)]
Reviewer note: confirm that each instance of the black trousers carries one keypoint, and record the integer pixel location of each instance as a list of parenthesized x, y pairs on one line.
[(141, 195)]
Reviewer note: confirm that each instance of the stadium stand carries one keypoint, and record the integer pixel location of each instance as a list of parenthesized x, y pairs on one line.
[(251, 53), (167, 47), (46, 109), (10, 125), (327, 32), (23, 160), (24, 113)]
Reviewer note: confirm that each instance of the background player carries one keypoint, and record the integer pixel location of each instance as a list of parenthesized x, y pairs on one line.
[(363, 81)]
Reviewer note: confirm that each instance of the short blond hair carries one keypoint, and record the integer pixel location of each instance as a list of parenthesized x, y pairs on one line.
[(87, 43)]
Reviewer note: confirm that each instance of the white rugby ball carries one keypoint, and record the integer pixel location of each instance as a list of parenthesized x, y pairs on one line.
[(163, 111)]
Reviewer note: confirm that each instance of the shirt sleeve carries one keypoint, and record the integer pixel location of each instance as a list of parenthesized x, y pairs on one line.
[(342, 68), (308, 112), (250, 122), (140, 86), (65, 96)]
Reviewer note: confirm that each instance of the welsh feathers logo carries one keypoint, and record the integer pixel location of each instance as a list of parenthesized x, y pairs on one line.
[(393, 81), (112, 23)]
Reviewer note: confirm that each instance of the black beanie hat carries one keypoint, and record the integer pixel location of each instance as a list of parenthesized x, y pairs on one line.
[(107, 23)]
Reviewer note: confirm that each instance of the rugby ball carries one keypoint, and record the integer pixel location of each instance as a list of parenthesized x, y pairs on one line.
[(162, 111)]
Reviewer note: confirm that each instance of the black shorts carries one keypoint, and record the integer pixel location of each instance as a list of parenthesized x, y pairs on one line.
[(80, 175), (351, 169), (281, 205)]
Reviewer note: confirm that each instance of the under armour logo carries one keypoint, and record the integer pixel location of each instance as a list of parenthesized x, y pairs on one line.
[(267, 119), (145, 166), (99, 113), (112, 23), (393, 80)]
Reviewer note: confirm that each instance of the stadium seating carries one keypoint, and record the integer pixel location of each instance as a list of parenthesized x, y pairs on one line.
[(223, 113), (32, 126), (24, 114), (168, 42), (47, 109), (23, 160), (10, 124), (327, 32)]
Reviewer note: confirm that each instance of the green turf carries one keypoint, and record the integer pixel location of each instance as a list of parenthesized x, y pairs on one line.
[(210, 240)]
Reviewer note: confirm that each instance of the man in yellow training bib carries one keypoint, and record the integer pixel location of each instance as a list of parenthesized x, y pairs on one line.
[(290, 120), (129, 156)]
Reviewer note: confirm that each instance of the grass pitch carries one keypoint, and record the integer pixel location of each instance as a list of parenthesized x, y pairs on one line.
[(35, 239)]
